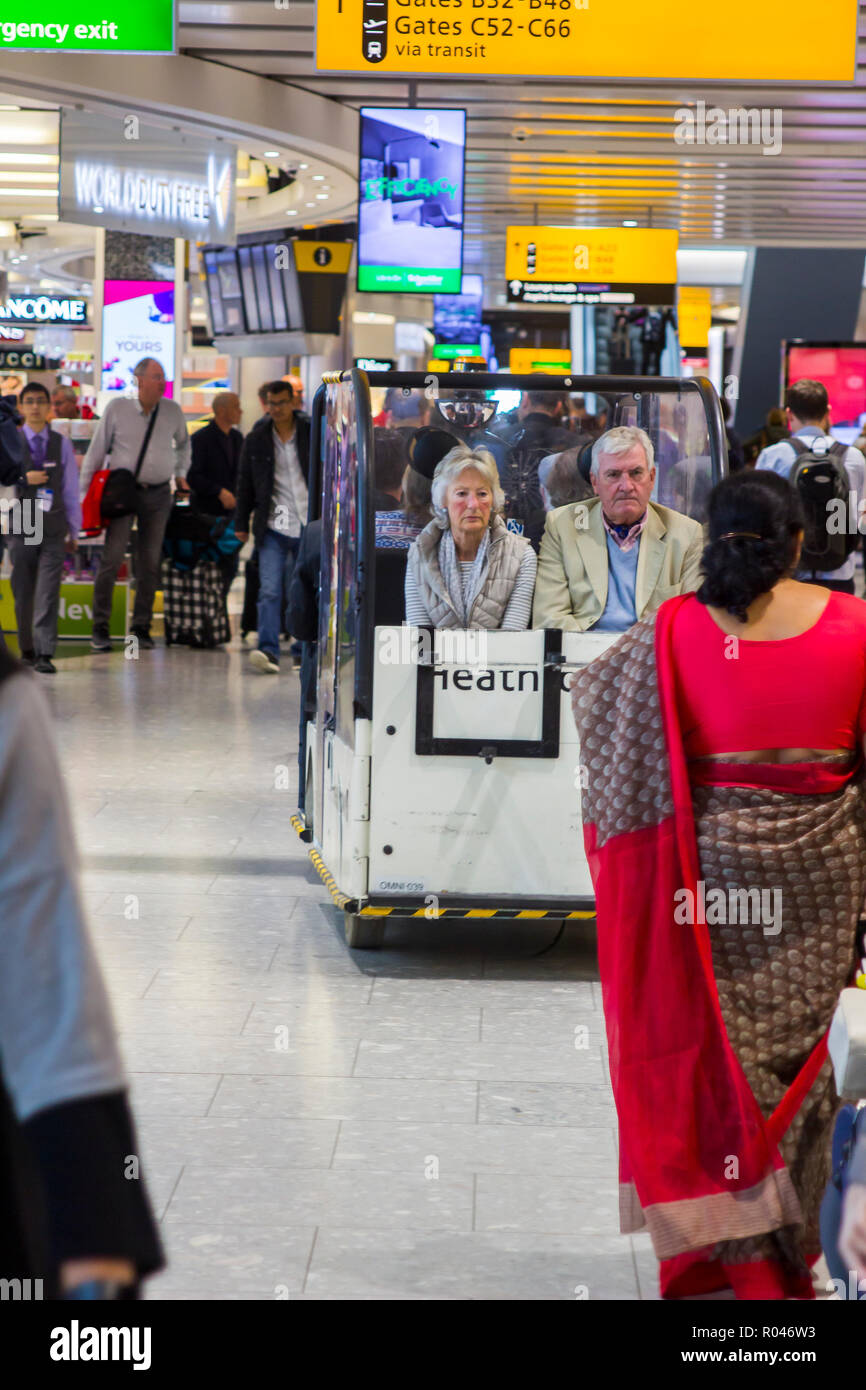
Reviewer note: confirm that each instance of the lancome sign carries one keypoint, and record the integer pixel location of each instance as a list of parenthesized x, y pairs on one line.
[(121, 173)]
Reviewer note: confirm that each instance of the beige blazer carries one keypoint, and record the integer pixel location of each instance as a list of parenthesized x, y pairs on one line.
[(571, 584)]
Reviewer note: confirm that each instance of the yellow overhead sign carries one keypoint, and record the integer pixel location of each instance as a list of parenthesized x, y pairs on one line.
[(590, 265), (326, 257), (738, 41), (694, 316)]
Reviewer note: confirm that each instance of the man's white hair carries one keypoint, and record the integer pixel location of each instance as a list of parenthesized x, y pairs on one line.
[(619, 441), (448, 470)]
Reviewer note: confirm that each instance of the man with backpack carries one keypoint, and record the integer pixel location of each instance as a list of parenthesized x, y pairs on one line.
[(825, 474), (537, 432)]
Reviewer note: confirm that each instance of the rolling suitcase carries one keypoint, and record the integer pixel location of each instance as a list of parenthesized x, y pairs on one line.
[(194, 607)]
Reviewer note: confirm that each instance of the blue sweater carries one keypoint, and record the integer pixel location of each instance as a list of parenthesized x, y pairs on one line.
[(619, 611)]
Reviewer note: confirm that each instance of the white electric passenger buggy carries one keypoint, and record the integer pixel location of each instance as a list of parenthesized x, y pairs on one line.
[(442, 773)]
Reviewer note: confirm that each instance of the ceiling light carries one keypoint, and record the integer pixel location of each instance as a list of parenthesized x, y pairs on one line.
[(303, 166), (271, 154), (322, 195), (10, 108), (28, 193), (291, 212), (97, 208), (311, 205), (318, 178), (628, 222)]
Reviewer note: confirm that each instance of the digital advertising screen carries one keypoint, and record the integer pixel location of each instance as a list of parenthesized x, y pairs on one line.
[(224, 292), (137, 321), (842, 369), (410, 202), (457, 318)]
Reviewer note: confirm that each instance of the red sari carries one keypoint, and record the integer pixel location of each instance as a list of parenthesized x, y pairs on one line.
[(706, 1097)]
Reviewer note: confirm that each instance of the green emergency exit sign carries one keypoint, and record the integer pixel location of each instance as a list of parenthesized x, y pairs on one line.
[(87, 26)]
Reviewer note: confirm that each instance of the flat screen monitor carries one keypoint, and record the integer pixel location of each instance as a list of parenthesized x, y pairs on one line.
[(263, 292), (276, 276), (457, 317), (842, 369), (410, 201), (248, 285), (224, 291)]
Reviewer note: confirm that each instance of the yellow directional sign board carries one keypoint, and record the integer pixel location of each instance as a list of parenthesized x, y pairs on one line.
[(738, 41), (590, 265), (694, 316)]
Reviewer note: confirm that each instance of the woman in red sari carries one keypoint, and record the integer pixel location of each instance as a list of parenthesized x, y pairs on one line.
[(725, 824)]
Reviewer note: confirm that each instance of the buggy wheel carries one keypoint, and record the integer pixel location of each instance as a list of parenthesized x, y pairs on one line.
[(364, 933)]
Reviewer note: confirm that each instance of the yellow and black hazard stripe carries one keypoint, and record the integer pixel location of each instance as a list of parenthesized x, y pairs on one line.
[(343, 900), (501, 912)]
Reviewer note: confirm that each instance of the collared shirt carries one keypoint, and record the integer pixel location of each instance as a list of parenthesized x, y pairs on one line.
[(289, 496), (631, 537), (781, 457), (68, 471), (120, 435)]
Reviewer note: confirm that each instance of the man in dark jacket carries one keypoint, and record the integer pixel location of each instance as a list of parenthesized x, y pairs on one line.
[(213, 473), (272, 487), (302, 614), (537, 433)]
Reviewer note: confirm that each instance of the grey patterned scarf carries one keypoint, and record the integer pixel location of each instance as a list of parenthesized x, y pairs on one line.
[(449, 567)]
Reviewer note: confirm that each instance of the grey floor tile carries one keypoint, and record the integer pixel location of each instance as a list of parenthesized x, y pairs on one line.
[(173, 1094), (525, 1104), (216, 1260), (584, 1204), (475, 1148), (347, 1098), (480, 1061), (221, 1141), (254, 1196), (476, 1266)]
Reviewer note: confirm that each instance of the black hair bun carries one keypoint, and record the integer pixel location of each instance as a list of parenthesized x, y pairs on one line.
[(755, 517)]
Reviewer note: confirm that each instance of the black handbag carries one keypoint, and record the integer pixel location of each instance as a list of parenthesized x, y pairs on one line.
[(118, 495)]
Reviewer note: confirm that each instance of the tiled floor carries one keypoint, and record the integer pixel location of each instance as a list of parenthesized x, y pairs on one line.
[(416, 1123)]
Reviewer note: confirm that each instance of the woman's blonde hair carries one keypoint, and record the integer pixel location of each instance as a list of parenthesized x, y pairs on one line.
[(448, 470)]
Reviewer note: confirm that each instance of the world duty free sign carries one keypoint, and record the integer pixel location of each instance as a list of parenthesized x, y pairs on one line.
[(87, 26)]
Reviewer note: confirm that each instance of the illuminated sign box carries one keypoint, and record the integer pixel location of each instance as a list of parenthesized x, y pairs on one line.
[(44, 308), (89, 26), (737, 42), (410, 200), (590, 265), (552, 361), (127, 175), (694, 316)]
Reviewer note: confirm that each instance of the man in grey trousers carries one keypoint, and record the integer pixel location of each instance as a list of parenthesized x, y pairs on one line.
[(50, 515), (119, 437)]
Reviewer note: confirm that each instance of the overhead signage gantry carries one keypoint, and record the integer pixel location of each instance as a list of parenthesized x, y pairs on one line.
[(736, 42)]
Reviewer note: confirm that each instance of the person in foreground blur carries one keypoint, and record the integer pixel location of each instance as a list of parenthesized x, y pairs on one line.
[(466, 569), (48, 495), (389, 465), (396, 530), (852, 1230), (213, 473), (774, 429), (70, 1216), (808, 411), (732, 791), (609, 561), (736, 457), (120, 437), (64, 404), (561, 479)]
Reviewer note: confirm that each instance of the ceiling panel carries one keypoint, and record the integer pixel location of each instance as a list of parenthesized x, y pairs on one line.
[(573, 151)]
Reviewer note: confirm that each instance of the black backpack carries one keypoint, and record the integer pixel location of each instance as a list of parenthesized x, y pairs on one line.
[(821, 479)]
